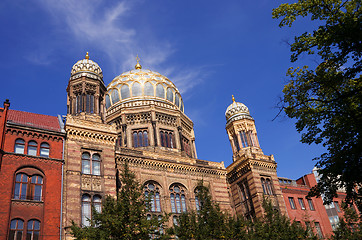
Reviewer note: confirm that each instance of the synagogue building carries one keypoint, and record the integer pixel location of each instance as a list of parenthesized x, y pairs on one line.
[(54, 169)]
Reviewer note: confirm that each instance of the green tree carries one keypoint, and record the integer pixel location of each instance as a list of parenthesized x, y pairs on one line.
[(124, 217), (209, 222), (348, 227), (326, 99), (274, 225)]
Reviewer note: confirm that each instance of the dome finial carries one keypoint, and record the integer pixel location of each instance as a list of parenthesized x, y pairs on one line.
[(87, 56), (232, 96), (138, 65)]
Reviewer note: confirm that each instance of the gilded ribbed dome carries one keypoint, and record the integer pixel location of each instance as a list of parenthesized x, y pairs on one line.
[(142, 84), (88, 68), (237, 111)]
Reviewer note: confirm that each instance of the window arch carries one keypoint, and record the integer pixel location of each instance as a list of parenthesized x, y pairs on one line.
[(91, 164), (125, 92), (108, 101), (32, 148), (19, 146), (140, 138), (152, 192), (267, 186), (21, 186), (87, 207), (178, 198), (160, 91), (136, 89), (16, 229), (170, 94), (33, 230), (148, 89), (167, 139), (26, 187), (86, 163), (197, 191), (97, 203), (44, 149)]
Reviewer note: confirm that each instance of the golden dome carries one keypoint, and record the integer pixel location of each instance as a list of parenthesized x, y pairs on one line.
[(236, 111), (142, 84), (88, 68)]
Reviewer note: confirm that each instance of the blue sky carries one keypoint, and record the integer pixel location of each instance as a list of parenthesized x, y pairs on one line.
[(209, 49)]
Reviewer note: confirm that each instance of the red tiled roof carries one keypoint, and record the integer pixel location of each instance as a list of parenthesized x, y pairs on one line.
[(34, 120)]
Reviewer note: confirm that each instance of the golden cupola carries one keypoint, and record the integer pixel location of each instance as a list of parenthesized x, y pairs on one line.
[(236, 111), (142, 84), (86, 68)]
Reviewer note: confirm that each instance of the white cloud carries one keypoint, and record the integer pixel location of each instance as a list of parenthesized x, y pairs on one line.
[(106, 29)]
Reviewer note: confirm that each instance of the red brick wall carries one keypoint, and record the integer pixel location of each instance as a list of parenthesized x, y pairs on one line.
[(55, 142), (47, 211)]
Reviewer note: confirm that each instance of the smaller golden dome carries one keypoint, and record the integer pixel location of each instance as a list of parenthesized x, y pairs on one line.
[(86, 67), (236, 111)]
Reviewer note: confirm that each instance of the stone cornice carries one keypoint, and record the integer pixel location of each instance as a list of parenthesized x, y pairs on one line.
[(84, 130), (239, 168), (181, 165)]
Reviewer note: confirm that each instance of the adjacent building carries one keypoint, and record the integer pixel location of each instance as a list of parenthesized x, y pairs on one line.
[(31, 161)]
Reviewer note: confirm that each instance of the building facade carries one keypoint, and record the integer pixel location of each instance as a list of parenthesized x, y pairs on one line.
[(30, 175), (52, 171)]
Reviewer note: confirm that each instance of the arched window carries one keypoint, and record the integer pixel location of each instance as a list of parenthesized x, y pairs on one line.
[(86, 163), (19, 146), (125, 92), (269, 186), (136, 89), (96, 164), (44, 149), (21, 186), (91, 165), (160, 91), (178, 198), (86, 209), (89, 102), (16, 229), (36, 186), (108, 101), (97, 203), (140, 138), (115, 96), (167, 139), (29, 188), (33, 230), (177, 100), (149, 90), (169, 94), (246, 200), (32, 148), (263, 186), (152, 193)]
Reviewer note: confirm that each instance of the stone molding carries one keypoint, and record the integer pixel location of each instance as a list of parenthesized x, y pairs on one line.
[(170, 167)]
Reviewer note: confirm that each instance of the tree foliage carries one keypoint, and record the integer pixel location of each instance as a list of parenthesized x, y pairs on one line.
[(211, 223), (326, 100), (348, 227), (122, 218)]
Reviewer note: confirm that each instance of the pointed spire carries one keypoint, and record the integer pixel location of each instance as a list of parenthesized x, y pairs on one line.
[(87, 56), (232, 96), (138, 65)]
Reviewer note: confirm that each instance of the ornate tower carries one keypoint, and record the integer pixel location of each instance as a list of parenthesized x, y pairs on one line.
[(86, 89), (252, 175), (89, 171)]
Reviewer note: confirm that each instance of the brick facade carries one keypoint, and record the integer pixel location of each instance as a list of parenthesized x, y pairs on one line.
[(44, 208)]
